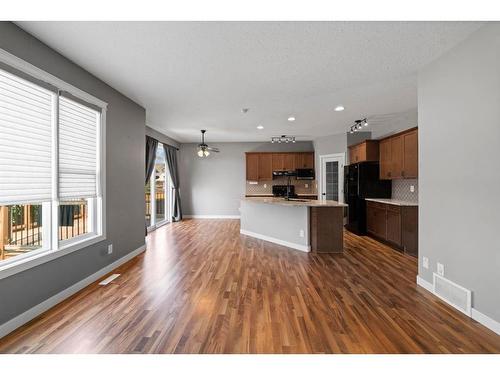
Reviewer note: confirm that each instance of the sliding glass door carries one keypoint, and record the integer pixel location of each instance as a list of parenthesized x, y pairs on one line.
[(158, 193)]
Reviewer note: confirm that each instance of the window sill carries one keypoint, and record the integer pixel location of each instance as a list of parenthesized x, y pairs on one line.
[(34, 260)]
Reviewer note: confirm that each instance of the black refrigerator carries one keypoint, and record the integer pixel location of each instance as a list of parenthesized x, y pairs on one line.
[(362, 181)]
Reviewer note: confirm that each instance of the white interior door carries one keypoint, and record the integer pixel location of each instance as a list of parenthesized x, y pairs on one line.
[(332, 177)]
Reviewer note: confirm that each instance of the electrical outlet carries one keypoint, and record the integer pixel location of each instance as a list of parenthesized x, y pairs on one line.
[(265, 185), (110, 249), (440, 269), (306, 186), (425, 262), (301, 233), (412, 188)]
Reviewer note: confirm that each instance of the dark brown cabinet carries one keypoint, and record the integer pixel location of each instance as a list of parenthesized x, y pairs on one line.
[(365, 151), (397, 225), (399, 155), (260, 165), (410, 162)]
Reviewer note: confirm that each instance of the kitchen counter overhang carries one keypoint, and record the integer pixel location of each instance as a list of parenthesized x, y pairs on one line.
[(306, 225)]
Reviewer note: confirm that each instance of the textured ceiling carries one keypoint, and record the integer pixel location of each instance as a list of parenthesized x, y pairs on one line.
[(199, 75)]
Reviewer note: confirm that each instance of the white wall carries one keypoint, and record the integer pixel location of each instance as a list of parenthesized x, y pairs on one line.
[(459, 145)]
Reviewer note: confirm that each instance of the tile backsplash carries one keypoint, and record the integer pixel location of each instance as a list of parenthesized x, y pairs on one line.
[(300, 186), (401, 190)]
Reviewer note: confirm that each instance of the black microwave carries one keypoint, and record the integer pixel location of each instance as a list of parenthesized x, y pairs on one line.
[(305, 174)]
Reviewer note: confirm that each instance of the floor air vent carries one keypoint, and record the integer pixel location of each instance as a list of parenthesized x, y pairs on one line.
[(454, 294)]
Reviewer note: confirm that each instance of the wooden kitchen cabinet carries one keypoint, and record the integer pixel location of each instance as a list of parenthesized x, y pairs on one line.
[(399, 155), (393, 223), (397, 225), (365, 151), (260, 165), (278, 161), (252, 167), (289, 162), (265, 166), (410, 162), (385, 159), (304, 160)]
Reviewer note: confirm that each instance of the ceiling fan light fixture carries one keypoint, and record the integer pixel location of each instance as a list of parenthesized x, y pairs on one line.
[(200, 153)]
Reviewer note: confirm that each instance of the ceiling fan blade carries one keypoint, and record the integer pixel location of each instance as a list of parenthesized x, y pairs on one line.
[(213, 149)]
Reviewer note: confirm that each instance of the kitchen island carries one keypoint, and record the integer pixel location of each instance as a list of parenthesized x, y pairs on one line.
[(301, 224)]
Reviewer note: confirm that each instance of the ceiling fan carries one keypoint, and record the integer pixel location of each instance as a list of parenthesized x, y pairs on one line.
[(203, 149)]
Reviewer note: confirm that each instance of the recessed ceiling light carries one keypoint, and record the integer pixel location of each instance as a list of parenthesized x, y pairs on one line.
[(339, 108), (260, 127), (291, 118)]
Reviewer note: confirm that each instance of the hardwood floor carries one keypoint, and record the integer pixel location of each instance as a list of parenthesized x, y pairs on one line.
[(201, 287)]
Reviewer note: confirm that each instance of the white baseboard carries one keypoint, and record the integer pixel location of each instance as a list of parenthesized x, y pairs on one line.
[(478, 316), (211, 216), (486, 321), (32, 313), (292, 245), (425, 284)]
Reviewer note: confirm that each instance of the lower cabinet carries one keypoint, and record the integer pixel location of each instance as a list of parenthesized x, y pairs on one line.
[(397, 225)]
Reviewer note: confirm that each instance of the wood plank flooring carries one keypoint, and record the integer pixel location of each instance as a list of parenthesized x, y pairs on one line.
[(201, 287)]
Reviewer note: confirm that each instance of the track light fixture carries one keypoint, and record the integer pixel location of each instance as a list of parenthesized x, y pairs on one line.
[(283, 139), (358, 125)]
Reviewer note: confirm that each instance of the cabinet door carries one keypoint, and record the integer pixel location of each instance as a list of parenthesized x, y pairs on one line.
[(252, 167), (353, 154), (309, 160), (394, 225), (289, 162), (370, 218), (397, 156), (385, 159), (380, 222), (410, 157), (278, 161), (265, 167)]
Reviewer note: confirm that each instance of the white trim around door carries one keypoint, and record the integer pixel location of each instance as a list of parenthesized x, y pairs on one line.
[(323, 159)]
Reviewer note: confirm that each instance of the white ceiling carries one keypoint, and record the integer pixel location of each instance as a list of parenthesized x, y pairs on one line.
[(199, 75)]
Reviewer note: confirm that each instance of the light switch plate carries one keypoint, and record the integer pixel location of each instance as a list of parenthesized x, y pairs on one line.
[(265, 186), (440, 269), (412, 188), (301, 233), (306, 186), (110, 249), (425, 262)]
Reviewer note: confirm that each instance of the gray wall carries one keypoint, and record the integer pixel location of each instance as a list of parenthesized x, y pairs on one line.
[(161, 137), (331, 144), (459, 140), (215, 185), (124, 182)]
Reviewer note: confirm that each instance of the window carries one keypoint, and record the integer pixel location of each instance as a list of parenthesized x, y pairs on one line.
[(50, 169), (158, 192)]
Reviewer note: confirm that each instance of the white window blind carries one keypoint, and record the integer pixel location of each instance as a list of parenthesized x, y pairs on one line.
[(25, 141), (78, 126)]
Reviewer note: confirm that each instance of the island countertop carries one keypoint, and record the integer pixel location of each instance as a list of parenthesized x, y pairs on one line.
[(294, 202)]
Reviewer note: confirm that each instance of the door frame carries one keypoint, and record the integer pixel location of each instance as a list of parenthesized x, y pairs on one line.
[(340, 157)]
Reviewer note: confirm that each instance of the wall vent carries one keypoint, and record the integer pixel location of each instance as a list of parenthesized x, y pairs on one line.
[(108, 279), (454, 294)]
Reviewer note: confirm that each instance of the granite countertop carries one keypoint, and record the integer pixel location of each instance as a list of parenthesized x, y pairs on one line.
[(295, 202), (395, 202)]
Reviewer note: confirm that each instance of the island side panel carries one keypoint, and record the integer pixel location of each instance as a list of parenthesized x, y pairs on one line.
[(327, 229), (276, 223)]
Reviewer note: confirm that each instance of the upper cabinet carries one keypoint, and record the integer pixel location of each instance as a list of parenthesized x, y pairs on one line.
[(303, 160), (365, 151), (399, 155), (260, 165)]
